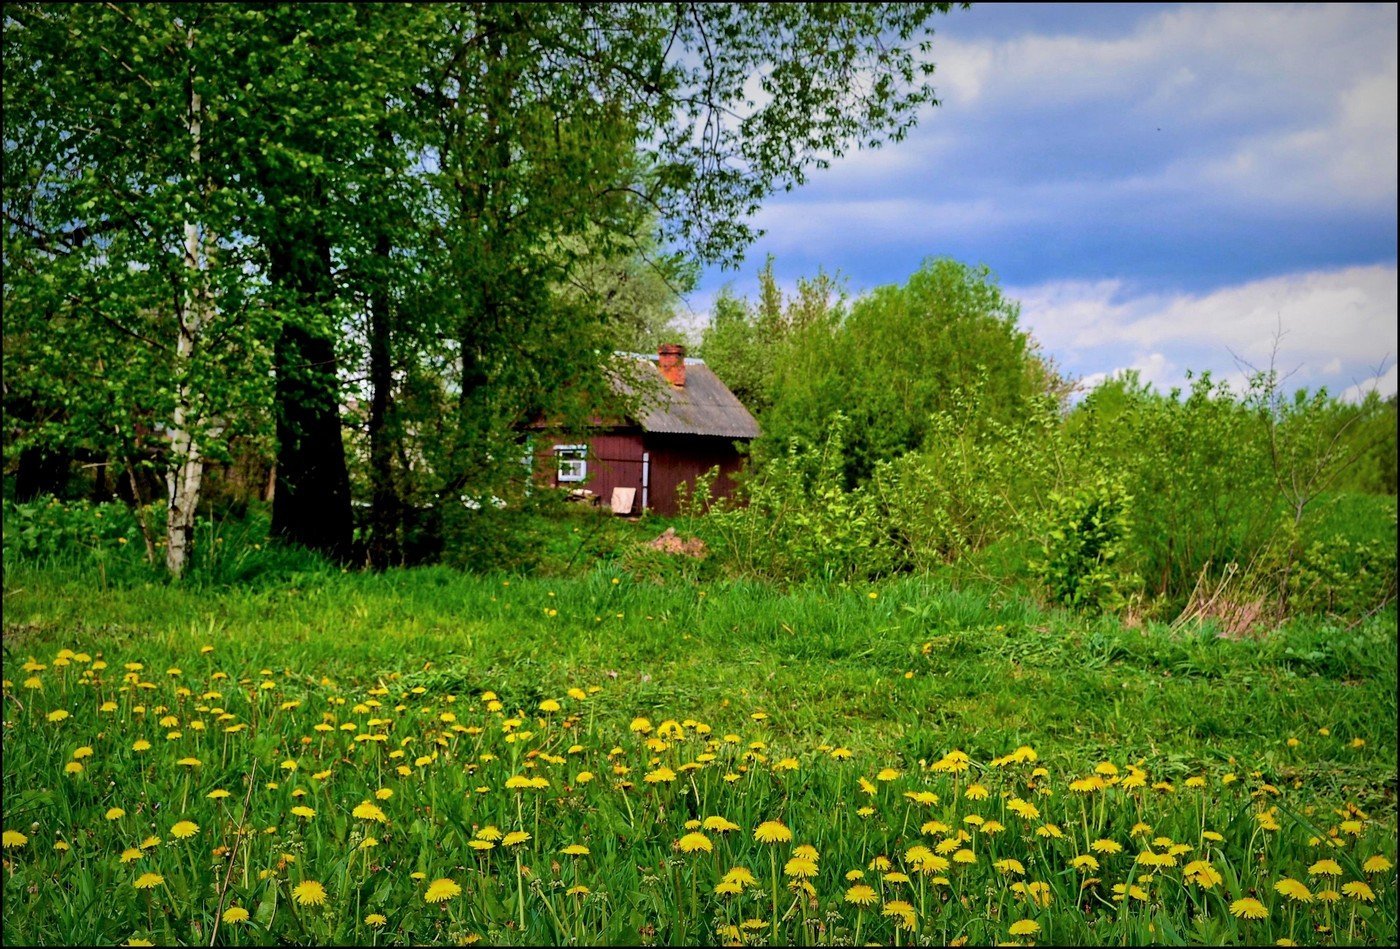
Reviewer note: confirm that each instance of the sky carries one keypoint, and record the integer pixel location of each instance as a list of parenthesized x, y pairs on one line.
[(1164, 188)]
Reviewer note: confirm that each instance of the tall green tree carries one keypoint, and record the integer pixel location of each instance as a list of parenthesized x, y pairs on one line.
[(128, 284), (206, 192), (900, 354)]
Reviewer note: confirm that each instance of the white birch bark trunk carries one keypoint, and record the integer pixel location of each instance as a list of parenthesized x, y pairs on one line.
[(186, 473)]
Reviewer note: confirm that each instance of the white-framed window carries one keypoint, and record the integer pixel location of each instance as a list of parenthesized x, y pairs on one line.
[(572, 461)]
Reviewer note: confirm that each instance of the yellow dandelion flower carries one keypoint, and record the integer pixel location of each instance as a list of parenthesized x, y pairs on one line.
[(1248, 908), (1010, 865), (1123, 891), (514, 837), (1025, 927), (148, 881), (367, 811), (1376, 864), (964, 856), (309, 893), (1201, 873), (902, 911), (185, 829), (442, 890), (376, 920), (1325, 868), (1103, 845), (742, 876), (719, 825), (301, 810), (772, 832), (694, 842), (1359, 891), (800, 867), (861, 895), (115, 813), (1294, 890), (235, 914)]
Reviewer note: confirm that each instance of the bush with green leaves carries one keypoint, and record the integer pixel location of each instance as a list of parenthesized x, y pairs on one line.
[(795, 519), (1342, 577), (1087, 532), (977, 481)]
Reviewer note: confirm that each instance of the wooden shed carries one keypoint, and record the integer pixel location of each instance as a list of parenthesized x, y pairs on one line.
[(688, 423)]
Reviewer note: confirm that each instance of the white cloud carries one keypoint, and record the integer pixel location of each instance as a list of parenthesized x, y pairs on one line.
[(1326, 327), (1272, 103)]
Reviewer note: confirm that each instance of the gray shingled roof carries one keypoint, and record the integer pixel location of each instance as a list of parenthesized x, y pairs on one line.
[(703, 406)]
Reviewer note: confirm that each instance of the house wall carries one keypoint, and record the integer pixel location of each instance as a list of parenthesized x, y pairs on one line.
[(679, 459), (615, 461)]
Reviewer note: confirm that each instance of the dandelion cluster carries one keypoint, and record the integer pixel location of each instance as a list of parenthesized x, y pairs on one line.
[(283, 806)]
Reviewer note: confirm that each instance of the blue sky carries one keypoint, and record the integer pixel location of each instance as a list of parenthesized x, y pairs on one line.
[(1161, 187)]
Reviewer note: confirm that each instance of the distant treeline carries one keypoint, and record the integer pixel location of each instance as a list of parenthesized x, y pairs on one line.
[(918, 426)]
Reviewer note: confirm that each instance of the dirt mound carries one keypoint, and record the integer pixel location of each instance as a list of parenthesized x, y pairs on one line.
[(671, 543)]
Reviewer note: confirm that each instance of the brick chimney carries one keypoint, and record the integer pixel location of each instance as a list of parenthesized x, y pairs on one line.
[(671, 361)]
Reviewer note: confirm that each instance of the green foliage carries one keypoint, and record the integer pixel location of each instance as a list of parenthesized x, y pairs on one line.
[(1088, 532), (1343, 577), (483, 194), (896, 360), (978, 481), (749, 345), (43, 530), (104, 543), (795, 519), (1198, 469)]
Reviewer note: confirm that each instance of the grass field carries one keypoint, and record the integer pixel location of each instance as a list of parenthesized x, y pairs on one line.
[(965, 765)]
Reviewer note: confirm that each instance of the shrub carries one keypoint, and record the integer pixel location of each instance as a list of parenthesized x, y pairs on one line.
[(977, 481), (795, 519), (1087, 533)]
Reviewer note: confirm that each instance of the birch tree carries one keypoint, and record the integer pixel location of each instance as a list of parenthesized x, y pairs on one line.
[(127, 308)]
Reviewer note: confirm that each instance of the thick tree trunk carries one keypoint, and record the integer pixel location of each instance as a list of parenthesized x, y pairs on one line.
[(384, 499), (41, 471), (311, 506)]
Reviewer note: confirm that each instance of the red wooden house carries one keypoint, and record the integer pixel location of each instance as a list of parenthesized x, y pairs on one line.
[(688, 423)]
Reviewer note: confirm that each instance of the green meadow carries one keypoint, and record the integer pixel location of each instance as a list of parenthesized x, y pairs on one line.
[(352, 757)]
